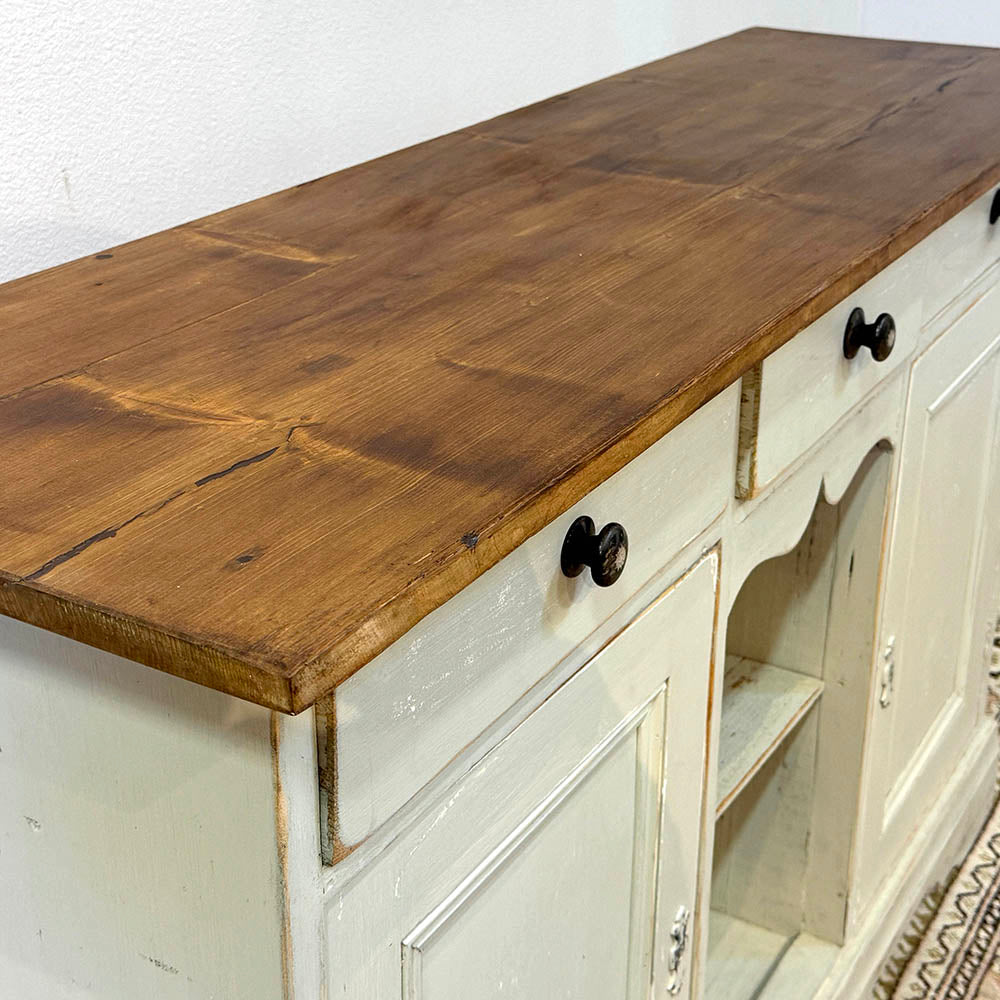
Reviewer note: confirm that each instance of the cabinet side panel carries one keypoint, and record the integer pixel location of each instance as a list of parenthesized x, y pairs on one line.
[(137, 827)]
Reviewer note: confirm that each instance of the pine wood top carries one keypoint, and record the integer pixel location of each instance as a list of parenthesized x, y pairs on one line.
[(254, 450)]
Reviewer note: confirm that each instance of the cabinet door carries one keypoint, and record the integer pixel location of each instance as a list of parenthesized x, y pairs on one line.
[(940, 585), (558, 865)]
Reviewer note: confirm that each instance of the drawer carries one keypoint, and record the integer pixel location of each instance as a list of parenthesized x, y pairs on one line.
[(564, 863), (791, 399), (394, 725), (957, 253)]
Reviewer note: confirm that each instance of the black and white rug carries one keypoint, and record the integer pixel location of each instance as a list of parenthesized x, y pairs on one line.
[(957, 957)]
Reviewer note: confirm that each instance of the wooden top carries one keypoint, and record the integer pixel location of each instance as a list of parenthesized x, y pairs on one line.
[(254, 450)]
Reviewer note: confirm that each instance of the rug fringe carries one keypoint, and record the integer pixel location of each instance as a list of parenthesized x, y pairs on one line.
[(909, 941)]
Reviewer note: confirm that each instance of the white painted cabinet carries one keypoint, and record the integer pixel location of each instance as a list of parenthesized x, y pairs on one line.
[(564, 864), (138, 849), (940, 598), (535, 792)]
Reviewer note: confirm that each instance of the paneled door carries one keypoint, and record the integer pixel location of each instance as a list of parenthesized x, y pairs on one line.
[(940, 592), (563, 864)]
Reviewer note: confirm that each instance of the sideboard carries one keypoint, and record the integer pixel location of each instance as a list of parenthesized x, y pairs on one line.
[(568, 549)]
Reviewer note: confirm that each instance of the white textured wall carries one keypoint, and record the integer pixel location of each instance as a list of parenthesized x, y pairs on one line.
[(121, 118), (965, 22)]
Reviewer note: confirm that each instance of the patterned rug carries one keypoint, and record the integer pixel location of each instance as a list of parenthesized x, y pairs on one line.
[(957, 958)]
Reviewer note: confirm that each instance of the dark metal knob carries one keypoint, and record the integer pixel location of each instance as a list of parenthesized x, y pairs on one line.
[(604, 552), (995, 208), (879, 337)]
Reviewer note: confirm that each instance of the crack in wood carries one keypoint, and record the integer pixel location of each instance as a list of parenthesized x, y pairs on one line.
[(241, 464), (99, 537), (112, 531)]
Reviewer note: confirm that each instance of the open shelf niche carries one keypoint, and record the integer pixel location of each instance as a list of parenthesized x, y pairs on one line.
[(761, 704), (799, 655)]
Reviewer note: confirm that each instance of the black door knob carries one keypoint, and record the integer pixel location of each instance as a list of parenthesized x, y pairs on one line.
[(604, 552), (879, 337), (995, 208)]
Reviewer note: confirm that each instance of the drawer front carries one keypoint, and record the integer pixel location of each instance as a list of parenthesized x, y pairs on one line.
[(957, 253), (565, 863), (801, 391), (394, 725)]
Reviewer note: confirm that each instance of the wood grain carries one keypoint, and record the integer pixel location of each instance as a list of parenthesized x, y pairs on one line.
[(256, 449)]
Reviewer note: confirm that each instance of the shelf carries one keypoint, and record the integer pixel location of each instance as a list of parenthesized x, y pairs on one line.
[(741, 957), (801, 970), (761, 705), (748, 962)]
